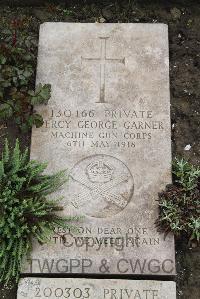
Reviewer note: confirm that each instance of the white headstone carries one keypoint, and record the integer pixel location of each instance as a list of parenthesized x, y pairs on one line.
[(108, 122)]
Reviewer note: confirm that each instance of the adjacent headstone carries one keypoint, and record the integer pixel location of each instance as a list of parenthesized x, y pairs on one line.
[(108, 122), (42, 288)]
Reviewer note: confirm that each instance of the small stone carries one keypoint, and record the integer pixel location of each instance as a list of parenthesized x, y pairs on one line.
[(41, 14), (187, 147), (102, 20), (107, 13), (176, 13)]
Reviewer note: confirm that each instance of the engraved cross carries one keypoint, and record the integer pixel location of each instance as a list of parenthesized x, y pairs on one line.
[(103, 60)]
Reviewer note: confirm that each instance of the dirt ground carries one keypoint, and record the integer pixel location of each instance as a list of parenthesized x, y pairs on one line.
[(183, 19)]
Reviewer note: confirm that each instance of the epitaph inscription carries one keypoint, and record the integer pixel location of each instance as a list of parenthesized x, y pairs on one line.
[(116, 145), (103, 60)]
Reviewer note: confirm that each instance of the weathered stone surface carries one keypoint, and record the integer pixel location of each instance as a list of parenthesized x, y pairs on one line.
[(33, 288), (108, 122)]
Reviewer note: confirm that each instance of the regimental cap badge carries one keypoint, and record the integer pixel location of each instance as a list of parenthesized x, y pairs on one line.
[(99, 172)]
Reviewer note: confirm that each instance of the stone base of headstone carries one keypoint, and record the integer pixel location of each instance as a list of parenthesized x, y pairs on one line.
[(71, 288)]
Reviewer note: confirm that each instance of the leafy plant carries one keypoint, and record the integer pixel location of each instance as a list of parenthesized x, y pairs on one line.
[(18, 50), (179, 204), (25, 210)]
